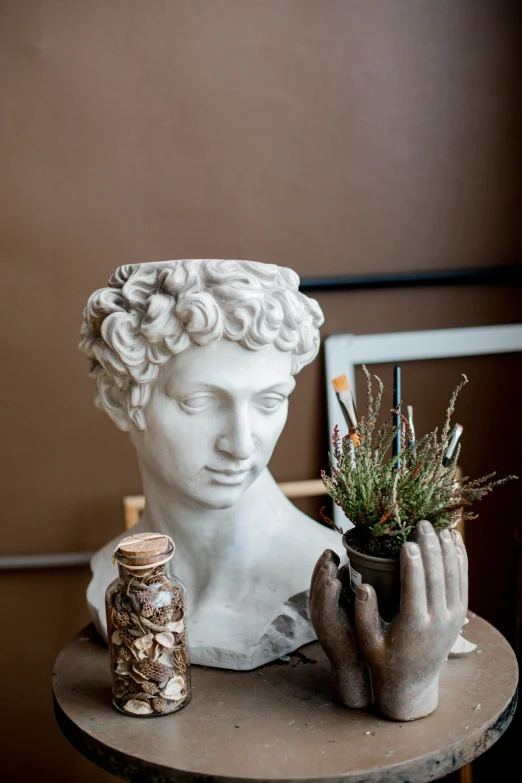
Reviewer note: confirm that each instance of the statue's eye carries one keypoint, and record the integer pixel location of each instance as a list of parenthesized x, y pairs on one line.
[(197, 402), (270, 402)]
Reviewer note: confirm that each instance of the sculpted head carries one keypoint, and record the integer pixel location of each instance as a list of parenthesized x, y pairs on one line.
[(196, 359)]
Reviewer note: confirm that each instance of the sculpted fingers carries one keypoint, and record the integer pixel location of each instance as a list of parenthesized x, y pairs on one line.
[(324, 598), (326, 601), (368, 623), (462, 558), (327, 619), (414, 602), (451, 570), (327, 564), (433, 568)]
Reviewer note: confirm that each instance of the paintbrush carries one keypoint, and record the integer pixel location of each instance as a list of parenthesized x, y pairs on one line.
[(397, 438), (345, 397), (411, 432), (452, 445)]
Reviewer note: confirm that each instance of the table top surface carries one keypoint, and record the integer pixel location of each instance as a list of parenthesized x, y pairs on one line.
[(280, 722)]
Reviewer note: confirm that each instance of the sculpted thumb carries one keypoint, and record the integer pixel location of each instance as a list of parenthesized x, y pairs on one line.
[(368, 623)]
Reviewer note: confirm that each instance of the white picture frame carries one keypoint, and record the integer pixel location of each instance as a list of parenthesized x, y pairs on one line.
[(344, 352)]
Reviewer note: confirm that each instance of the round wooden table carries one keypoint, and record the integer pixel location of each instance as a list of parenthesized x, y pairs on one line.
[(280, 722)]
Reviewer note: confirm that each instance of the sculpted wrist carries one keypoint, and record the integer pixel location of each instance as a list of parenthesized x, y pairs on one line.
[(352, 684), (403, 699)]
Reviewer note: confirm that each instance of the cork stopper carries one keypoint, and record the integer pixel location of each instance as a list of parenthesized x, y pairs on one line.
[(144, 549)]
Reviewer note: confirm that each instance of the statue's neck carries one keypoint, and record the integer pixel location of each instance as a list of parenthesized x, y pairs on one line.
[(215, 541)]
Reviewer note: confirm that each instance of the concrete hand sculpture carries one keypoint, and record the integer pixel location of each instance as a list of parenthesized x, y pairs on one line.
[(196, 359), (405, 657), (331, 610)]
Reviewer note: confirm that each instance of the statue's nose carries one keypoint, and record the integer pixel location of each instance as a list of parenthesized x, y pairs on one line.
[(237, 439)]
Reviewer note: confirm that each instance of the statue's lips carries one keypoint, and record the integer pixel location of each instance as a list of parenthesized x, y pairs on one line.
[(229, 478)]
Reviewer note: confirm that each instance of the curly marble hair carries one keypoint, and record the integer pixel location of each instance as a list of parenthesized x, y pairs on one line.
[(153, 311)]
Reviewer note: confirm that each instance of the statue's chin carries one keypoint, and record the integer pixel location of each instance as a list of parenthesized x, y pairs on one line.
[(219, 498), (220, 495), (212, 494)]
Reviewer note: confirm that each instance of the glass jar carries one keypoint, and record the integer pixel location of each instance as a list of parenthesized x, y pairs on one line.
[(147, 629)]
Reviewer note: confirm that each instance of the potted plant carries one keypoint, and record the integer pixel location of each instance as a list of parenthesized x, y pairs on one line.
[(384, 496)]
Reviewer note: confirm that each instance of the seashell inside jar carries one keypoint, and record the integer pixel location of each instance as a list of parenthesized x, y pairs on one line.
[(147, 631)]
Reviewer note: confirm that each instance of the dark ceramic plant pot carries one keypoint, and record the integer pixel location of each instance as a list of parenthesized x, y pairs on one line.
[(383, 574)]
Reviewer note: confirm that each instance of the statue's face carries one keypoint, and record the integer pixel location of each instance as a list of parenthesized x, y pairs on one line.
[(213, 419)]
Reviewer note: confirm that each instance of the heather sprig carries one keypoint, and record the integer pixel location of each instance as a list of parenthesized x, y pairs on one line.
[(385, 497)]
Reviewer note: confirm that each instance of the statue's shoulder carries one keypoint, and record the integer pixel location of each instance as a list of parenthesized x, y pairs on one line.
[(309, 538), (103, 557)]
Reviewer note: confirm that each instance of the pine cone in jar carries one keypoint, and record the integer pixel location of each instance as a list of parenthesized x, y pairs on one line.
[(121, 686), (120, 637), (144, 595), (120, 619), (147, 610), (123, 654), (161, 616), (150, 688), (159, 705), (142, 600), (153, 670)]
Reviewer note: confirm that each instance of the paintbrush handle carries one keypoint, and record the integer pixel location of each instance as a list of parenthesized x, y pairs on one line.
[(397, 396)]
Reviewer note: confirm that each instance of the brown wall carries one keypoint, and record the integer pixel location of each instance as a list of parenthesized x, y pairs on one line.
[(331, 136)]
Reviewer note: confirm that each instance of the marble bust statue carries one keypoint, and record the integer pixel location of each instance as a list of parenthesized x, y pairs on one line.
[(196, 359)]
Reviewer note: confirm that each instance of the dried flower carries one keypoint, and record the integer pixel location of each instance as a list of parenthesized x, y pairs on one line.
[(137, 707)]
